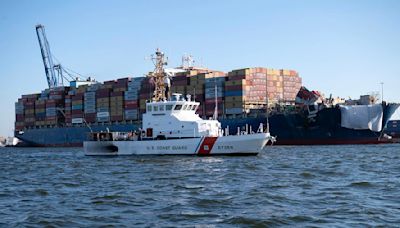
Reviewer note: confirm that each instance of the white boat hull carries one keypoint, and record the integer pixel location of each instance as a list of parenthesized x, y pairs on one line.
[(250, 144)]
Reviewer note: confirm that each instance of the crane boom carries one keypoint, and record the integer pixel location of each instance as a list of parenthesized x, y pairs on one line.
[(52, 79)]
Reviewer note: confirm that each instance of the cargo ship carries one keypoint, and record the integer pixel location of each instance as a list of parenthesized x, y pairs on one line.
[(242, 99)]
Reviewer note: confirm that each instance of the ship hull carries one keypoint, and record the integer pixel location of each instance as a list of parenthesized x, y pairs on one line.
[(250, 144), (289, 129), (74, 136)]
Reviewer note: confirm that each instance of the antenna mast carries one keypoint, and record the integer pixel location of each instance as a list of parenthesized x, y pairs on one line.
[(187, 61), (159, 75)]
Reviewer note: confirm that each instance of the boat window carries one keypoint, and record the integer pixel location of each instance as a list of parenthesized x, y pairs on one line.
[(168, 107), (184, 107), (194, 107), (178, 107), (161, 107), (149, 108), (189, 107), (155, 108)]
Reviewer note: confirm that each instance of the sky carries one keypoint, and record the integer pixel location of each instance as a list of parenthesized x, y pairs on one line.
[(341, 47)]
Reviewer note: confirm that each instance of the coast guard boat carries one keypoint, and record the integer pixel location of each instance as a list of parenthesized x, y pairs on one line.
[(171, 127)]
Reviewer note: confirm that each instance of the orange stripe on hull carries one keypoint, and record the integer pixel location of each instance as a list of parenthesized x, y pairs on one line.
[(207, 145)]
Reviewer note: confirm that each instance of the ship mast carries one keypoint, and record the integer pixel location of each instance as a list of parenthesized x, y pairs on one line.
[(158, 75)]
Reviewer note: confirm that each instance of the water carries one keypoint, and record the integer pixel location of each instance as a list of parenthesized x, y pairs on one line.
[(318, 186)]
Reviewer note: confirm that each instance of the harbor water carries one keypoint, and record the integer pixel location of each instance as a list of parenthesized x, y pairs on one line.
[(318, 186)]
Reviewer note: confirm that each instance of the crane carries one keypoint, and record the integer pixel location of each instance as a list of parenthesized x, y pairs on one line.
[(55, 72), (53, 79)]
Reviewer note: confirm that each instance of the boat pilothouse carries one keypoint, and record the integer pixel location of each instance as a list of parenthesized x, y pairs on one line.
[(177, 118), (170, 125)]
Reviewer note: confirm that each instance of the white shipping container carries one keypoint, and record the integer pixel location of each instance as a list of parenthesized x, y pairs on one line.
[(103, 114), (77, 120)]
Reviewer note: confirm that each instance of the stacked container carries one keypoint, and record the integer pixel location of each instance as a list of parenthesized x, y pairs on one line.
[(90, 106), (68, 107), (117, 106), (131, 97), (103, 104), (19, 115), (179, 83), (77, 106), (239, 92), (40, 112), (291, 84), (235, 92), (55, 105), (214, 90), (146, 93), (29, 109), (245, 89), (248, 89)]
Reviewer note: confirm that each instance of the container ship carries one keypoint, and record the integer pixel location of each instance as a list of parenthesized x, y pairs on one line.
[(244, 98), (241, 99)]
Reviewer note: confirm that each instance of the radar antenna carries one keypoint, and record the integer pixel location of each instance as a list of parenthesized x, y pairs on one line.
[(187, 61)]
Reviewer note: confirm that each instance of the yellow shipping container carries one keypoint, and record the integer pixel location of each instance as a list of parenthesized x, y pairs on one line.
[(108, 86), (235, 82), (120, 89), (235, 99), (116, 99), (198, 88), (40, 110), (234, 104), (29, 111), (101, 100), (285, 72)]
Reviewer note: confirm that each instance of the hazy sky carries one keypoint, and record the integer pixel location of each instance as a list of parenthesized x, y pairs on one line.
[(342, 47)]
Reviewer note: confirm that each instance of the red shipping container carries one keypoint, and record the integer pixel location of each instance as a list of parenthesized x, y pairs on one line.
[(90, 115), (53, 92), (77, 97), (212, 106), (77, 112), (234, 87), (90, 119), (19, 128), (117, 94), (124, 80), (19, 117), (131, 102), (211, 112), (112, 82), (40, 106), (212, 100), (117, 118), (118, 86), (145, 95), (236, 77), (131, 106), (77, 116)]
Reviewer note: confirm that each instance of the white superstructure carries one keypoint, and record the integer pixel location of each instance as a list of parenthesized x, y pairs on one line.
[(177, 118)]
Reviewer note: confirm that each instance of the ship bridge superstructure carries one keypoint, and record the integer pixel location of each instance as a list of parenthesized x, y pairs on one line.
[(177, 118)]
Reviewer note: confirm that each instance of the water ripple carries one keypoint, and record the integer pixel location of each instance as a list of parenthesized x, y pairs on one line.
[(306, 186)]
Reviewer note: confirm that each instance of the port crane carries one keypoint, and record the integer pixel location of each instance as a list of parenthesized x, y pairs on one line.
[(54, 72)]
